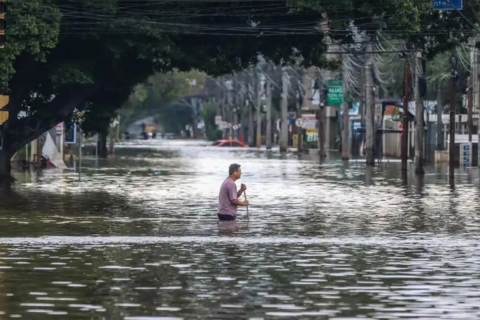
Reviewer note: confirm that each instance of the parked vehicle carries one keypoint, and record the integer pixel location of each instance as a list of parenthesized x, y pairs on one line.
[(229, 143)]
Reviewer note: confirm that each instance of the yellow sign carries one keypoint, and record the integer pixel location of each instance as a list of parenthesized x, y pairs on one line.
[(3, 116), (4, 101), (150, 128)]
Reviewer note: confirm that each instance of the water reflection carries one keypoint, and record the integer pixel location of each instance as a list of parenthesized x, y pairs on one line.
[(138, 238)]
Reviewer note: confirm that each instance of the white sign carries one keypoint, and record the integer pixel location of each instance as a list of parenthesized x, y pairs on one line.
[(218, 120), (299, 122), (223, 125), (309, 121)]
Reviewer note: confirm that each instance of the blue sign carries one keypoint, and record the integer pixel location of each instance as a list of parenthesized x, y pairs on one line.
[(70, 133), (447, 4)]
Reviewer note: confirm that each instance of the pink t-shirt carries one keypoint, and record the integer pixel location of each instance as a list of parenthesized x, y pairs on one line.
[(228, 192)]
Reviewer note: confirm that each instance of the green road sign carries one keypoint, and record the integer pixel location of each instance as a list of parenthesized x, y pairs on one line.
[(335, 92)]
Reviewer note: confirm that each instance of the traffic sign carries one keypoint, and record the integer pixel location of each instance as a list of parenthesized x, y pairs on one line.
[(70, 133), (447, 4)]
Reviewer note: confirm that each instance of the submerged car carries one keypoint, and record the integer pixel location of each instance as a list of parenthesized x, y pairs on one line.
[(229, 143)]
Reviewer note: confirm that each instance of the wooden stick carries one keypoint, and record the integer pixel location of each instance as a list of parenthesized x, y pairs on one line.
[(245, 194)]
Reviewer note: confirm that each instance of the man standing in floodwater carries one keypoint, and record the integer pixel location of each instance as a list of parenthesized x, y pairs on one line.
[(228, 198)]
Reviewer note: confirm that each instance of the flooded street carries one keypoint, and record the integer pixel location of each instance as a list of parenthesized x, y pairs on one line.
[(138, 238)]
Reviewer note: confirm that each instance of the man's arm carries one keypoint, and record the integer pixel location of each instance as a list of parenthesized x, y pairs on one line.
[(240, 203)]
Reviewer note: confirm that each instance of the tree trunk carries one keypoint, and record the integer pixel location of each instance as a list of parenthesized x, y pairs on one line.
[(102, 146), (370, 106), (269, 115), (284, 128), (419, 123), (6, 179)]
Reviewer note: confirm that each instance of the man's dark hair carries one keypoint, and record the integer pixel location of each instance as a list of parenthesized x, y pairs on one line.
[(233, 168)]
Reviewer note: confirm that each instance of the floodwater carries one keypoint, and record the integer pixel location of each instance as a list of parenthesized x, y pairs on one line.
[(137, 238)]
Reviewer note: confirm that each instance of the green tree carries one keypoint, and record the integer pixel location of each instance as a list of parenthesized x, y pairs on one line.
[(208, 114), (64, 55), (156, 96)]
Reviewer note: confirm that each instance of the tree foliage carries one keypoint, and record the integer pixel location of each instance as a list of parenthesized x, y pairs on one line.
[(161, 96), (64, 55)]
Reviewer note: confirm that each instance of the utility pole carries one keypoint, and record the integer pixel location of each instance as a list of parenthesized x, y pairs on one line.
[(440, 136), (299, 128), (370, 105), (453, 102), (259, 112), (236, 104), (363, 102), (406, 101), (195, 117), (284, 106), (476, 85), (229, 84), (470, 109), (269, 114), (321, 117), (251, 135), (224, 115), (300, 97), (321, 132), (419, 111), (346, 125)]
